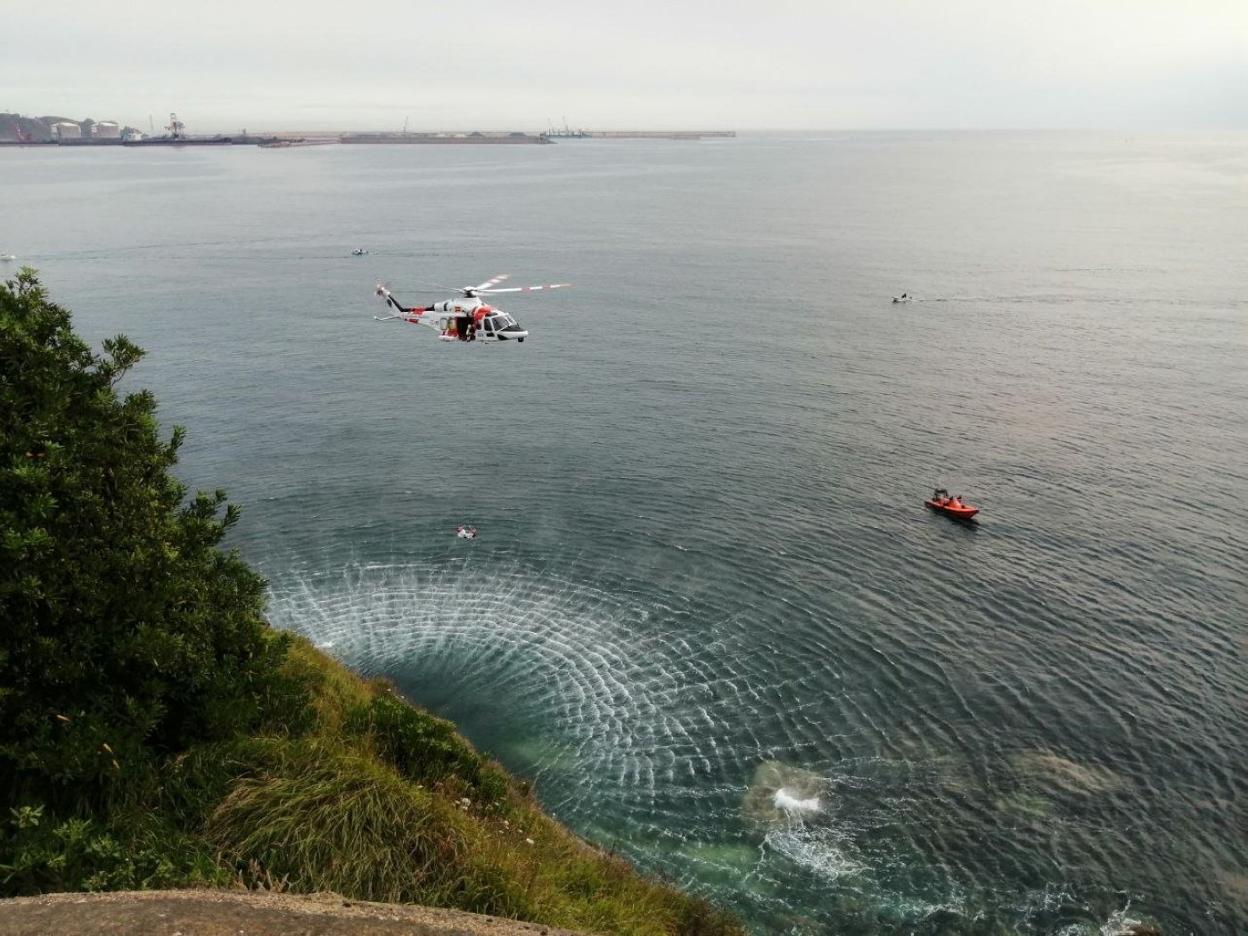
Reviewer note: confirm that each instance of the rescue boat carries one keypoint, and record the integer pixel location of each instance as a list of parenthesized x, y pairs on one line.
[(951, 507)]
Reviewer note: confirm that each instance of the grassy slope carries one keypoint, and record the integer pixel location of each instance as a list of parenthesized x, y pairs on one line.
[(377, 800)]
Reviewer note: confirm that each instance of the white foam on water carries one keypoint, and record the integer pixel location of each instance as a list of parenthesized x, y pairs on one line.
[(1119, 924), (819, 851), (791, 804)]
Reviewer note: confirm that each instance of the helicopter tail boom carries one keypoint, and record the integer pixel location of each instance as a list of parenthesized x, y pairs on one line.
[(393, 303)]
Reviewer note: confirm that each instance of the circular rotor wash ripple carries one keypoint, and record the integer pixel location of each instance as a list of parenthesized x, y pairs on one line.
[(655, 724)]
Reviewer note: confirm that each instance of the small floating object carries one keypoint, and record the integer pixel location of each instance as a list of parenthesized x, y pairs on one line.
[(8, 256), (904, 297), (951, 506), (466, 532), (359, 252)]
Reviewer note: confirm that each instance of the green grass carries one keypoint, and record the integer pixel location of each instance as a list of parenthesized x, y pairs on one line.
[(379, 800), (348, 789)]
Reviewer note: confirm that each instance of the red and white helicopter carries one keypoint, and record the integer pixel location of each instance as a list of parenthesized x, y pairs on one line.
[(469, 318)]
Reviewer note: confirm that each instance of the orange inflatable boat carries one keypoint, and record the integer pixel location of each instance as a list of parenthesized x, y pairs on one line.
[(951, 506)]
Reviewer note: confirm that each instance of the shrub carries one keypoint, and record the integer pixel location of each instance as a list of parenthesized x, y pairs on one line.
[(41, 854), (128, 634)]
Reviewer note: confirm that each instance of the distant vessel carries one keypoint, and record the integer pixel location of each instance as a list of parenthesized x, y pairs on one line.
[(287, 144), (8, 256)]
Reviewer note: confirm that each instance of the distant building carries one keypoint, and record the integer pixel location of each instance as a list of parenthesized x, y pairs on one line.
[(107, 130), (66, 131), (130, 133)]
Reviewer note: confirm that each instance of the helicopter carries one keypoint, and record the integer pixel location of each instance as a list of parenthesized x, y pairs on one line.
[(468, 318)]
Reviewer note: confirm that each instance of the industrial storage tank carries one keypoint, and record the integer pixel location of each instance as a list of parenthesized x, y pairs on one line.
[(108, 130), (66, 131)]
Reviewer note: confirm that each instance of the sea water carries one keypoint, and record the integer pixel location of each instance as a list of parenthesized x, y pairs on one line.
[(705, 586)]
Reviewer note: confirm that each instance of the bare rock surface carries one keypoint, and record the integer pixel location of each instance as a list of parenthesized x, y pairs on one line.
[(242, 913)]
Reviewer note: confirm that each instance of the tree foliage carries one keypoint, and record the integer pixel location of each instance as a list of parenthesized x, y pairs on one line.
[(127, 634)]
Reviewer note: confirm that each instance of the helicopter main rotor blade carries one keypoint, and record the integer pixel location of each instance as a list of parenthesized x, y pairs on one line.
[(438, 286), (488, 283), (511, 289)]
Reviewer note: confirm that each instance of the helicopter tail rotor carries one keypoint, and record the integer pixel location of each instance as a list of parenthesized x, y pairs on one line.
[(401, 310)]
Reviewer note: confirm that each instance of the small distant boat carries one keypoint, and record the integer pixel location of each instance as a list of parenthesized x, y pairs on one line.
[(8, 256), (950, 506), (466, 532), (359, 252), (903, 298)]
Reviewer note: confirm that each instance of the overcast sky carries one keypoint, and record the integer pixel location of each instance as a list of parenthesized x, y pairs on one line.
[(655, 64)]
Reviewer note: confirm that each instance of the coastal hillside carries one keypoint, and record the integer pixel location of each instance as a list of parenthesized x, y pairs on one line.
[(14, 128), (155, 732)]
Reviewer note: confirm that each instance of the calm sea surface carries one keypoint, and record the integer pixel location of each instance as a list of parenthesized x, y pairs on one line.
[(705, 575)]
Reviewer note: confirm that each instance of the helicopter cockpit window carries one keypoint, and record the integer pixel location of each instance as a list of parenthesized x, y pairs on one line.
[(489, 324)]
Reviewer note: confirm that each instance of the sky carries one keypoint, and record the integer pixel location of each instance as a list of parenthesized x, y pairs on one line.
[(631, 64)]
